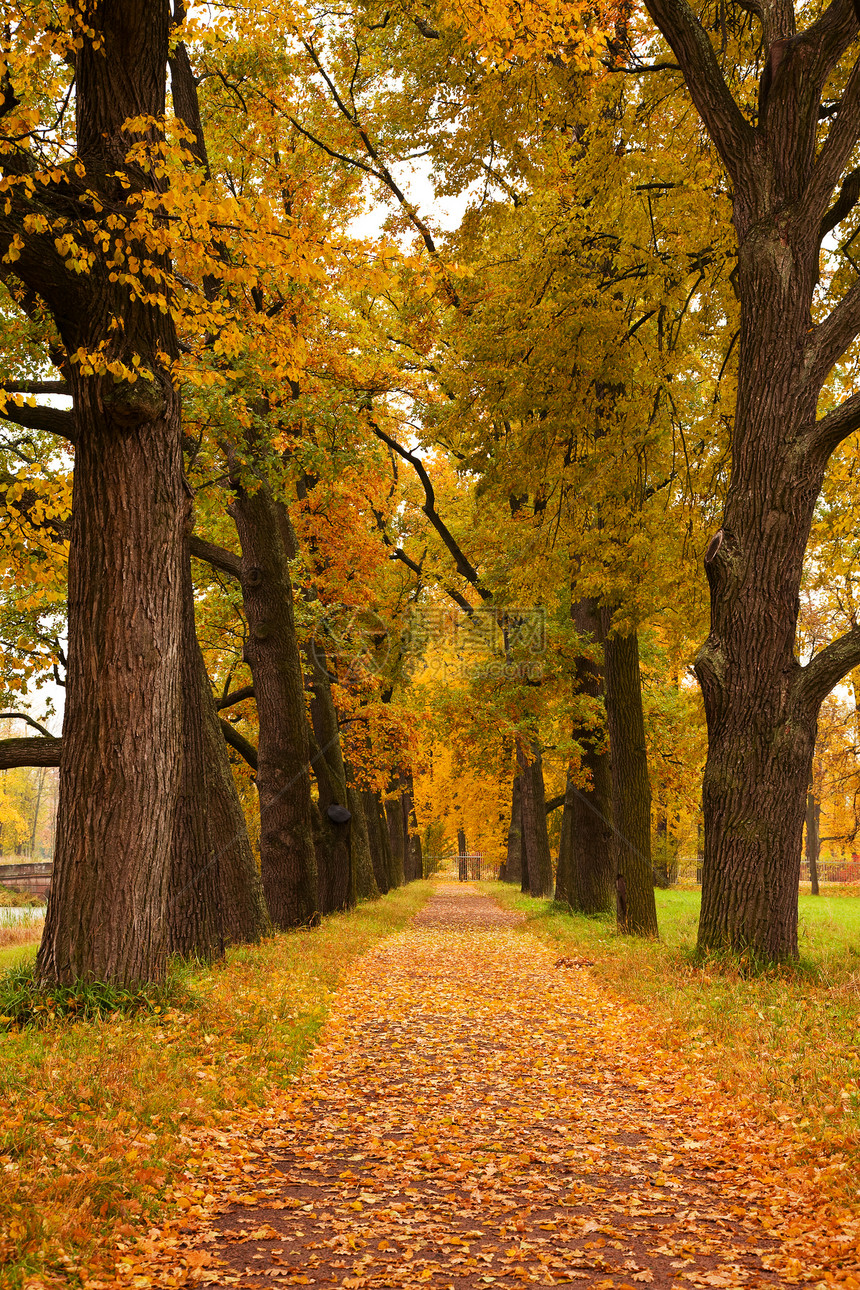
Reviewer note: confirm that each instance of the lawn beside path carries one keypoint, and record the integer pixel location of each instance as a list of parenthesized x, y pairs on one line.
[(477, 1113)]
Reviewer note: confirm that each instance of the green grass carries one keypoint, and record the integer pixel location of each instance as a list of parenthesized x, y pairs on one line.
[(828, 929), (12, 956), (101, 1117), (786, 1042)]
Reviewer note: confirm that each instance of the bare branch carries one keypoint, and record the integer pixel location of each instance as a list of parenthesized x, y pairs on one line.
[(58, 421), (22, 716), (827, 669), (239, 743), (731, 132), (35, 387), (237, 696), (464, 566), (216, 556), (29, 752)]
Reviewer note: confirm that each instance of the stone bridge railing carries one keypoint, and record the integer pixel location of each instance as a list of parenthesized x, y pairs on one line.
[(33, 876)]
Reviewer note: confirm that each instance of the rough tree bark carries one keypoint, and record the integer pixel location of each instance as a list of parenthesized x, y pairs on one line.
[(631, 786), (380, 845), (121, 755), (287, 856), (193, 907), (587, 862), (414, 865), (336, 882), (537, 861), (761, 704), (397, 839), (244, 916), (514, 856), (362, 857)]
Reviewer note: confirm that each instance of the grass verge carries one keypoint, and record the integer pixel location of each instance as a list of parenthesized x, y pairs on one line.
[(101, 1117), (785, 1043)]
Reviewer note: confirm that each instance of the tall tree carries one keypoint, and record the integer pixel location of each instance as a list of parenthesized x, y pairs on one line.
[(788, 157), (122, 754)]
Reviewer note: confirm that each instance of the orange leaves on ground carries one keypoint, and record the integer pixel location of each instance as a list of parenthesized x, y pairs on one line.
[(473, 1116)]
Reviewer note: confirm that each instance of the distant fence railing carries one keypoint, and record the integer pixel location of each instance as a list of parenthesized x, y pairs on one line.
[(830, 869), (471, 867)]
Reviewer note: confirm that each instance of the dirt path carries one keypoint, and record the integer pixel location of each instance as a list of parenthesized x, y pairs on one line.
[(475, 1115)]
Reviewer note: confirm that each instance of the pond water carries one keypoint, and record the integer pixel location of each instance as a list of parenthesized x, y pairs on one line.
[(25, 915)]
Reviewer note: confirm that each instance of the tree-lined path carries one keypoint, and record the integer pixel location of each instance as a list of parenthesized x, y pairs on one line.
[(478, 1114)]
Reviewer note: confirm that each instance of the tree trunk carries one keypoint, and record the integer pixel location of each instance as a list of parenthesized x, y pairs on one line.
[(414, 866), (514, 855), (335, 878), (790, 188), (194, 913), (536, 854), (631, 787), (813, 837), (245, 917), (587, 862), (37, 806), (396, 835), (359, 837), (287, 857), (122, 750), (377, 836)]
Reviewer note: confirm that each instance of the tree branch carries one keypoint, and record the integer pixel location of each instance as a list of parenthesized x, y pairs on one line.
[(22, 716), (827, 669), (730, 131), (246, 692), (837, 148), (59, 421), (216, 556), (35, 387), (238, 742), (829, 430), (830, 339), (844, 204), (29, 752), (552, 803), (464, 566)]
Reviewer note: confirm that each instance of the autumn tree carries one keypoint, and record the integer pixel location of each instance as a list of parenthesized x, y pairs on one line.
[(787, 144)]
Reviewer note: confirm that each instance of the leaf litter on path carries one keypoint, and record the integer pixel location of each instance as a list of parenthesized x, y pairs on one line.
[(474, 1117)]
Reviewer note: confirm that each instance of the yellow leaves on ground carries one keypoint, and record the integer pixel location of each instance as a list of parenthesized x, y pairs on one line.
[(476, 1115)]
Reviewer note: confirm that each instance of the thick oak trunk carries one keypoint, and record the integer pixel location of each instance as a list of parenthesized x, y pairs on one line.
[(631, 786), (414, 864), (336, 883), (791, 184), (761, 718), (377, 834), (587, 862), (287, 857), (396, 833), (194, 913), (362, 857), (121, 758), (514, 854), (537, 861)]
